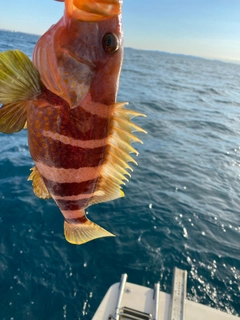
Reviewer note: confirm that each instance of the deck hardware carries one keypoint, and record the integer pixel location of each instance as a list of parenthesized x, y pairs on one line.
[(132, 314), (120, 295), (178, 295), (156, 300)]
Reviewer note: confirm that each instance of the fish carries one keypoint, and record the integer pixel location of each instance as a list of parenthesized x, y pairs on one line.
[(79, 136)]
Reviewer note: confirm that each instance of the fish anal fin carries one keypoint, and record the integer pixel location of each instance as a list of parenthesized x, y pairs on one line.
[(13, 117), (80, 233), (108, 191), (39, 187)]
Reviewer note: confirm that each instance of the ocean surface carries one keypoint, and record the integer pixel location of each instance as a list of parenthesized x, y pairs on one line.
[(181, 207)]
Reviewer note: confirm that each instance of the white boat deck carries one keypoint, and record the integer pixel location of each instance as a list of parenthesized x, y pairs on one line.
[(128, 301)]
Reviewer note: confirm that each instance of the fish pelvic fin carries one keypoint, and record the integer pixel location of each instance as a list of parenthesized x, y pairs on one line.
[(19, 83), (39, 187), (80, 233)]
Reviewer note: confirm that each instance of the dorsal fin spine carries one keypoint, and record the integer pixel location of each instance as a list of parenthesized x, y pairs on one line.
[(114, 169)]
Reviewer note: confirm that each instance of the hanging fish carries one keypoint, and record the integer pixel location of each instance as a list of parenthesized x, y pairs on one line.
[(79, 136)]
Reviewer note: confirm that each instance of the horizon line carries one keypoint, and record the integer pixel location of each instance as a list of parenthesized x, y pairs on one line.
[(224, 60)]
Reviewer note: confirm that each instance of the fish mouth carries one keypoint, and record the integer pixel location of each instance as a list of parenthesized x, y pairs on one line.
[(91, 10)]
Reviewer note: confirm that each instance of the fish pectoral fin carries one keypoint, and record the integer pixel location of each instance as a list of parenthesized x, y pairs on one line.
[(19, 78), (19, 83), (39, 187), (79, 233), (13, 117)]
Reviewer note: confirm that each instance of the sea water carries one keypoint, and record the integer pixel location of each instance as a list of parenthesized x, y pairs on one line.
[(181, 206)]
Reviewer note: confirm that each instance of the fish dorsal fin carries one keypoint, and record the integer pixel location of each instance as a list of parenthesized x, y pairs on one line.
[(39, 187), (19, 83), (114, 170)]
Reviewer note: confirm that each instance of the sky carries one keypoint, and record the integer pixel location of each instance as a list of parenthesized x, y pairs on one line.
[(205, 28)]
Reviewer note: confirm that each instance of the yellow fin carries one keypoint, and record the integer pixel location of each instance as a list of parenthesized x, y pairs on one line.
[(127, 125), (114, 169), (123, 145), (19, 78), (127, 136), (107, 193), (13, 117), (19, 82), (79, 233), (39, 187)]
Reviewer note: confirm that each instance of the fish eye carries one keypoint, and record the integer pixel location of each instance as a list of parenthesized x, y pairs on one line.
[(110, 43)]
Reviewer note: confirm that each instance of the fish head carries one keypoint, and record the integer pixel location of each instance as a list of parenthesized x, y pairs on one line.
[(82, 54), (94, 38)]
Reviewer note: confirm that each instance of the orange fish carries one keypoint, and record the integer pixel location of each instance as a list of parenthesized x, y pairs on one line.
[(79, 136)]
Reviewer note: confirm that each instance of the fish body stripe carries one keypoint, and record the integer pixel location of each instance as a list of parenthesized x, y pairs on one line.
[(60, 175), (74, 216), (76, 123), (60, 155), (72, 189), (95, 109), (83, 144), (73, 198), (66, 205)]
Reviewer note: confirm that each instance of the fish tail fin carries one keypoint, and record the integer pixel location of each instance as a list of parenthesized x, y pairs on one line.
[(79, 233), (19, 83)]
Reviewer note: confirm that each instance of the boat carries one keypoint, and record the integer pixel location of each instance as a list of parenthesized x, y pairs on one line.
[(128, 301)]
